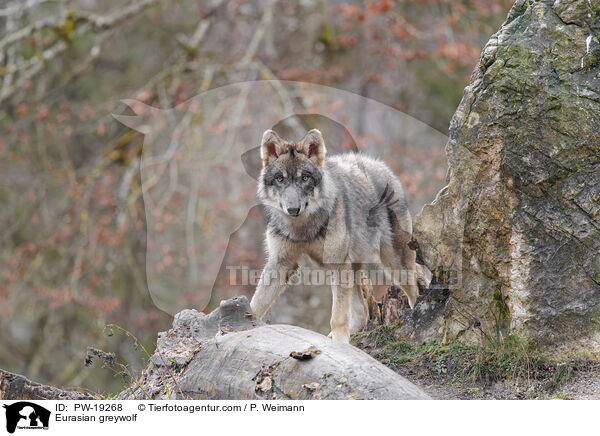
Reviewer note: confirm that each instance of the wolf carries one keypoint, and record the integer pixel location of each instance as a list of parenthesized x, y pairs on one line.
[(344, 212)]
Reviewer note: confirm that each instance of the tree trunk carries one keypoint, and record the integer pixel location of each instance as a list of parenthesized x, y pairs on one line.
[(17, 387), (230, 354)]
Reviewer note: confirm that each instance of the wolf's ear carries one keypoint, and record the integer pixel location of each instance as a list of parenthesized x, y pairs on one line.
[(271, 147), (313, 146)]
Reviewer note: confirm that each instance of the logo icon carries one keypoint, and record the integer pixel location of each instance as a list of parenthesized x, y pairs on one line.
[(26, 415)]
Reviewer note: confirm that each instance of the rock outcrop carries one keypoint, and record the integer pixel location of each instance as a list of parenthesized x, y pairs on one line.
[(230, 354), (515, 235)]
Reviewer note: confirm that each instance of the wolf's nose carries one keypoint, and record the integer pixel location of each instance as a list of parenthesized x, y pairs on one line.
[(294, 211)]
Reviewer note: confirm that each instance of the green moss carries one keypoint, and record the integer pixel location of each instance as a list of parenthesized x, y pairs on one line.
[(596, 316), (501, 306)]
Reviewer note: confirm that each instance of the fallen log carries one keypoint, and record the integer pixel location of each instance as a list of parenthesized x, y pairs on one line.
[(231, 354), (18, 387)]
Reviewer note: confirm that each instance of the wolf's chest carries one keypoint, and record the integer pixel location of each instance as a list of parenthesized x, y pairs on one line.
[(314, 250)]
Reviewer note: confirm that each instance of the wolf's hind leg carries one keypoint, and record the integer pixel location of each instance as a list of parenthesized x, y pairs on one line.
[(408, 281), (401, 259), (405, 278), (359, 314)]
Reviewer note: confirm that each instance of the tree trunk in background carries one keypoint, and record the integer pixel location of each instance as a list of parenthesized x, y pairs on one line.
[(515, 236)]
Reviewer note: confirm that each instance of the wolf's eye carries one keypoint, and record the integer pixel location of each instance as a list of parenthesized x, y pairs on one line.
[(279, 179), (305, 178)]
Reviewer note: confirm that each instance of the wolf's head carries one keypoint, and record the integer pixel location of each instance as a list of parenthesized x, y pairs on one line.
[(292, 172)]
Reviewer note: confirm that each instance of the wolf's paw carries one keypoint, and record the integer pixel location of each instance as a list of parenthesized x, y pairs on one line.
[(339, 337)]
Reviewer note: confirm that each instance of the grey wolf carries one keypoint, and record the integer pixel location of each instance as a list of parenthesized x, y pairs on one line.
[(343, 211)]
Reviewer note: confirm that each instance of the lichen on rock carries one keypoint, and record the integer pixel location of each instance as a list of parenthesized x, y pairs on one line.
[(520, 216)]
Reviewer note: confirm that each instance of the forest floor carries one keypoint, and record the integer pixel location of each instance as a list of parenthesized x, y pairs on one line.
[(508, 370)]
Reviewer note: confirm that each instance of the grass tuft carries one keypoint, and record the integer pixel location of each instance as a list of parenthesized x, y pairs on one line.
[(512, 358)]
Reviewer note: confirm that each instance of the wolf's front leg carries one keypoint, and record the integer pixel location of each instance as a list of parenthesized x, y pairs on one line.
[(282, 263), (342, 289), (272, 283)]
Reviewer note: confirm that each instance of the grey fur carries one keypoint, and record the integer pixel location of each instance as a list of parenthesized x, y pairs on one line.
[(351, 211)]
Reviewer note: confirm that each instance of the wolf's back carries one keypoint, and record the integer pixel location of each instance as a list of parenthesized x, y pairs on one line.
[(367, 182), (371, 190)]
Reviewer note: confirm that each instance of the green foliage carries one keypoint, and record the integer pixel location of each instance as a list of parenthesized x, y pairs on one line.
[(512, 358), (564, 371)]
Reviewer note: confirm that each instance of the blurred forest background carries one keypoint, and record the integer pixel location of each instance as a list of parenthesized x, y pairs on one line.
[(72, 223)]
